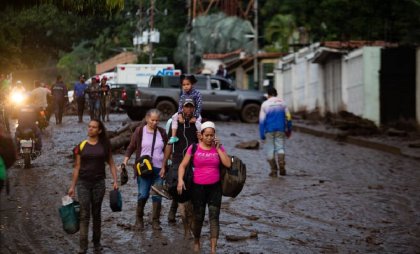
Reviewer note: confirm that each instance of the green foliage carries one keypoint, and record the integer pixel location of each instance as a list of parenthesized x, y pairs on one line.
[(280, 31), (77, 62), (390, 20), (214, 33)]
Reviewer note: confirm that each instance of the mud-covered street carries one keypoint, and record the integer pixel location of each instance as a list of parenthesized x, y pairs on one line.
[(336, 198)]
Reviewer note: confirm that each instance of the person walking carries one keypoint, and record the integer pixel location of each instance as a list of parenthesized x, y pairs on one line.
[(39, 96), (275, 123), (206, 190), (89, 175), (221, 71), (94, 92), (60, 97), (188, 135), (105, 99), (148, 139), (79, 95)]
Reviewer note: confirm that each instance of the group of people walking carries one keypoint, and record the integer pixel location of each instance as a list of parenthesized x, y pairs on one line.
[(171, 151), (98, 96), (151, 139)]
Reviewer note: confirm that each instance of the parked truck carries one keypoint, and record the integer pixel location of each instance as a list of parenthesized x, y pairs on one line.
[(218, 96)]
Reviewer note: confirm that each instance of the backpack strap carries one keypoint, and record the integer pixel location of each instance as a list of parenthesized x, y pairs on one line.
[(78, 149), (82, 145)]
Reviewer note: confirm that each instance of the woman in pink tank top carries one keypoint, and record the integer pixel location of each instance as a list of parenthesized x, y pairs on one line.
[(206, 189)]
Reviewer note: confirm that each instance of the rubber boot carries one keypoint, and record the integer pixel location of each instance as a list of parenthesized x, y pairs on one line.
[(172, 212), (282, 164), (156, 216), (139, 213), (273, 167)]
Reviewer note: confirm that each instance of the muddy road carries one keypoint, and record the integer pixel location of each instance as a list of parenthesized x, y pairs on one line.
[(336, 198)]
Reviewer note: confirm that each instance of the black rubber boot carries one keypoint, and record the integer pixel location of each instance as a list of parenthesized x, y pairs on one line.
[(273, 167), (156, 216), (139, 213), (282, 164)]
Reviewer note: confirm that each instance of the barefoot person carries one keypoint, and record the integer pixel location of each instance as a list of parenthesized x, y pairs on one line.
[(206, 189)]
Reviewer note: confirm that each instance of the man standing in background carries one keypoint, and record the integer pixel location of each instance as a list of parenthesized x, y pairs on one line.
[(59, 93), (79, 95)]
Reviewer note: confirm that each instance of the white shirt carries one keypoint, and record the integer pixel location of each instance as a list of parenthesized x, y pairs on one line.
[(39, 97)]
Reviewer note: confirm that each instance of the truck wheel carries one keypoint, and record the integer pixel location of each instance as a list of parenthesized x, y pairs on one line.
[(250, 113), (166, 108), (135, 114)]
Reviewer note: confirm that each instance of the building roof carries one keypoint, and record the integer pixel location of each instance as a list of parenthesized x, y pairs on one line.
[(111, 63), (356, 44), (221, 55)]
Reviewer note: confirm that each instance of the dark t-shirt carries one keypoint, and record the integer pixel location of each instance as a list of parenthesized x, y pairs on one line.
[(59, 91), (186, 137), (92, 164)]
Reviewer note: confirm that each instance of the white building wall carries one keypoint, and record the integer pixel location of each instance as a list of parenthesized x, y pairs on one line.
[(353, 83), (279, 79), (212, 65), (372, 65), (299, 84), (287, 88), (313, 86), (355, 77)]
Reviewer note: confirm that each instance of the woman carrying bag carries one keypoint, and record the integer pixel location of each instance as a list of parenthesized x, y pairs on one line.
[(148, 141), (89, 175), (206, 188)]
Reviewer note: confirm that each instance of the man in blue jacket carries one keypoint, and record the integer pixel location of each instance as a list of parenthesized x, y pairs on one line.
[(275, 125), (79, 95)]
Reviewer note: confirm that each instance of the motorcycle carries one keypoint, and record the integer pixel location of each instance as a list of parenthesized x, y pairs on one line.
[(42, 119), (27, 147), (28, 135)]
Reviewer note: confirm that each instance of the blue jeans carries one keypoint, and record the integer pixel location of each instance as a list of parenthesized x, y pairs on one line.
[(144, 185), (94, 108), (274, 144)]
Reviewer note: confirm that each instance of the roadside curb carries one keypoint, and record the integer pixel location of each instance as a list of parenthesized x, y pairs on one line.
[(336, 135)]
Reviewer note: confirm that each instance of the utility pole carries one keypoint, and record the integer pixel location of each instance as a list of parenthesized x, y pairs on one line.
[(256, 79), (152, 6), (189, 28)]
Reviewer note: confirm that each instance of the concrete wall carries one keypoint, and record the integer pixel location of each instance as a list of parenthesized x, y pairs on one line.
[(418, 85), (372, 65), (353, 84), (299, 84), (212, 65)]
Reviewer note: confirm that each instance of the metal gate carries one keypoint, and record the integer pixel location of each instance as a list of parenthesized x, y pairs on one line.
[(332, 81), (397, 84)]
